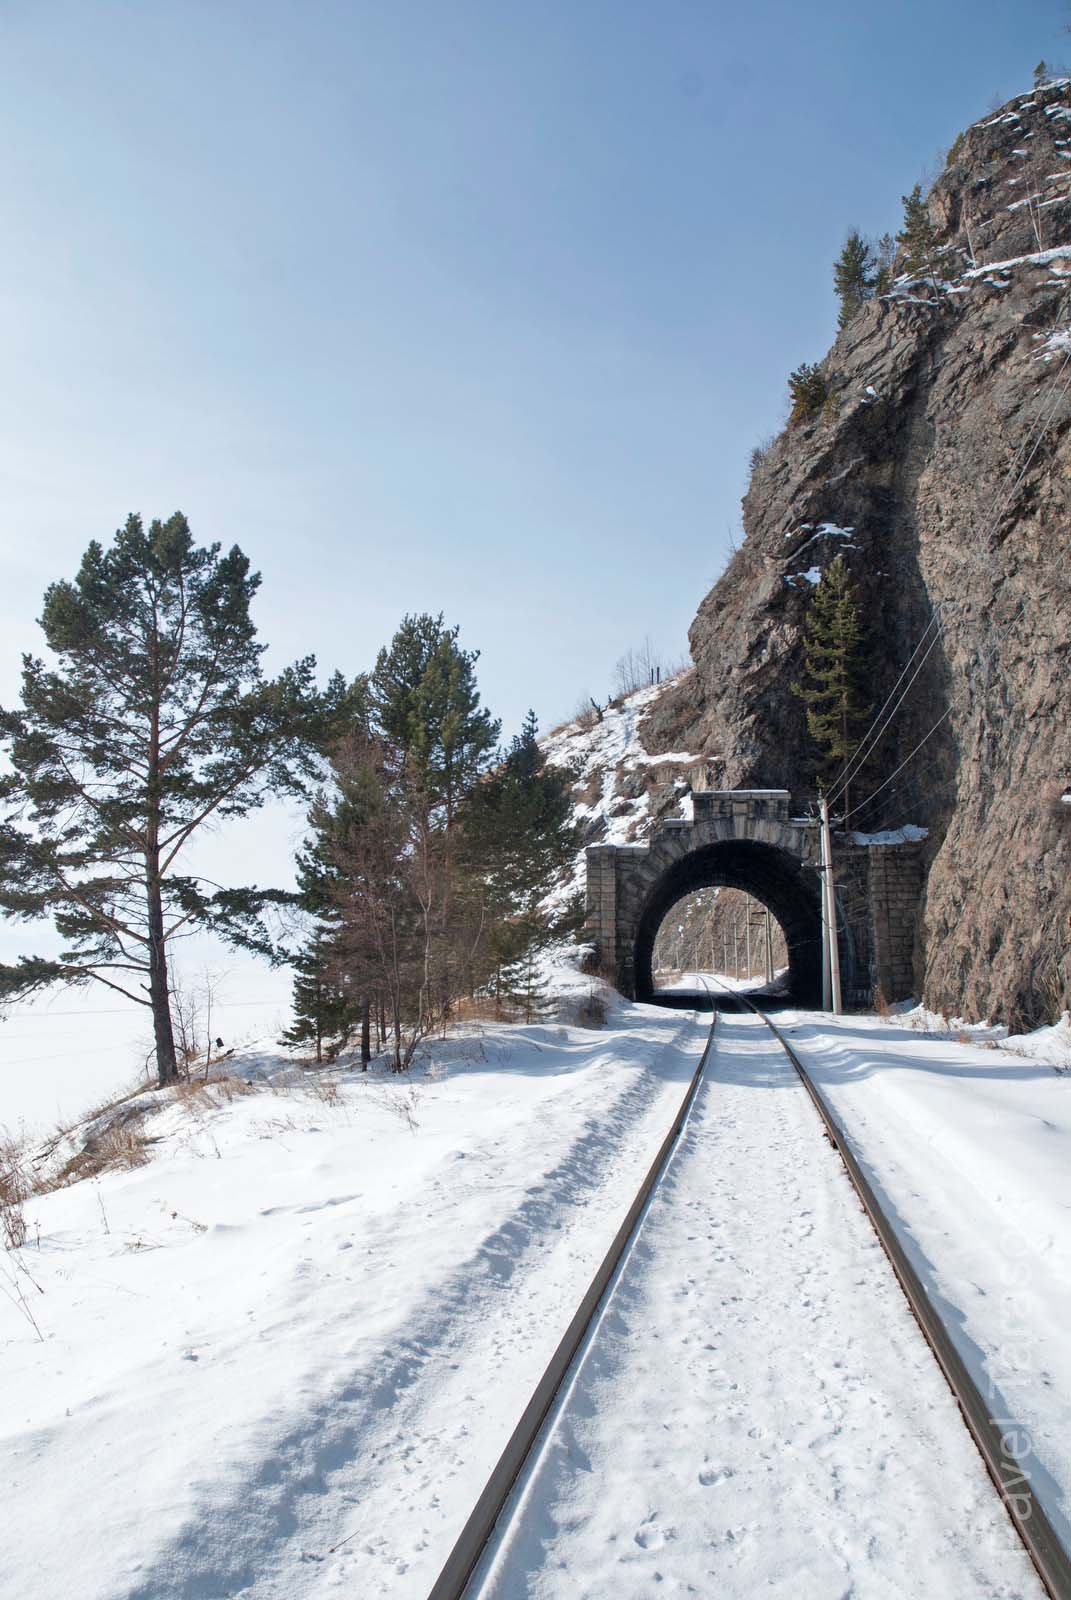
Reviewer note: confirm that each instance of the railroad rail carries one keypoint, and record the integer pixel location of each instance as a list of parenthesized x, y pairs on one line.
[(1028, 1516), (991, 1436)]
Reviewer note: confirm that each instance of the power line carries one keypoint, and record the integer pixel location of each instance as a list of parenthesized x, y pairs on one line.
[(874, 732), (874, 794)]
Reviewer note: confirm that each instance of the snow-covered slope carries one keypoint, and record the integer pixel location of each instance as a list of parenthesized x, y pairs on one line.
[(276, 1335), (620, 789), (285, 1350)]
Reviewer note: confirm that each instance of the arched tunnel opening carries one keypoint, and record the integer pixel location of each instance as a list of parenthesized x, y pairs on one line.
[(772, 878), (723, 932)]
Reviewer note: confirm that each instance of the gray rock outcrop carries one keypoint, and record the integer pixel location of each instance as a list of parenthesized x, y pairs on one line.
[(939, 469)]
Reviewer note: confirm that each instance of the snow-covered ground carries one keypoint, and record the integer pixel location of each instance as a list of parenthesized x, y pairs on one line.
[(314, 1315), (756, 1411), (280, 1358), (969, 1148)]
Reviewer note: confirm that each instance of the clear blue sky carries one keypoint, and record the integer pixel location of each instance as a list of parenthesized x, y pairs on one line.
[(473, 307)]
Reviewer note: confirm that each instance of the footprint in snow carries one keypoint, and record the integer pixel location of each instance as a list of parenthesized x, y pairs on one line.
[(649, 1536), (710, 1476)]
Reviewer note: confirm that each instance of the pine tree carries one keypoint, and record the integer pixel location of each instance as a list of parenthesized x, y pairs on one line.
[(156, 721), (426, 707), (853, 276), (884, 256), (918, 239), (323, 1005), (518, 833), (322, 1011), (524, 988), (808, 391), (835, 668)]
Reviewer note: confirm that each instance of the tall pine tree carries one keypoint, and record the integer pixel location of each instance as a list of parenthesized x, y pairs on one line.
[(155, 721), (324, 1014), (918, 239), (834, 674), (853, 276)]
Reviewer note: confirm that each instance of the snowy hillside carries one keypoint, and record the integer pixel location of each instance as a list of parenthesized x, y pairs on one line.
[(274, 1333), (620, 789), (286, 1325)]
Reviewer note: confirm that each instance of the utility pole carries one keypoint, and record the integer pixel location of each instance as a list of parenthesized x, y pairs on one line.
[(831, 950), (747, 933), (769, 947), (736, 948)]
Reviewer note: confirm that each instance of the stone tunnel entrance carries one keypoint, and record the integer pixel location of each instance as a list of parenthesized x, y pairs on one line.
[(764, 871), (745, 839)]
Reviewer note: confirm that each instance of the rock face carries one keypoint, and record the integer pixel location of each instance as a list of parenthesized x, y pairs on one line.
[(939, 469)]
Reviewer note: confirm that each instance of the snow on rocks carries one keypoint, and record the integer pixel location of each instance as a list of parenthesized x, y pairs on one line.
[(1051, 1044), (605, 753), (1039, 258), (907, 834), (812, 575)]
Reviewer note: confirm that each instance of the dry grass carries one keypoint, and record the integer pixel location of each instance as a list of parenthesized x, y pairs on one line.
[(323, 1089), (192, 1094), (881, 1005), (584, 1011), (591, 1012), (230, 1086), (118, 1147), (15, 1190), (482, 1008)]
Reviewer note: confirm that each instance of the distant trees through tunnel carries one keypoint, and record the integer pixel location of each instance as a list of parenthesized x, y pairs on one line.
[(719, 930)]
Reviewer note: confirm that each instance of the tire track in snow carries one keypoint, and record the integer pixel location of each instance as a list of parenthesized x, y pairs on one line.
[(756, 1411), (412, 1430)]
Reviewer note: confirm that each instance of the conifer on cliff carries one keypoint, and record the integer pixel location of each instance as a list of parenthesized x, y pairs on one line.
[(834, 674), (853, 276)]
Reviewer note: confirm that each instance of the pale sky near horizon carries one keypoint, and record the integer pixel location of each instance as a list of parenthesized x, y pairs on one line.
[(466, 306)]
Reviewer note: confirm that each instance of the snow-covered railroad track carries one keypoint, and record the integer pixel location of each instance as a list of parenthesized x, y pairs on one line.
[(752, 1409), (995, 1437)]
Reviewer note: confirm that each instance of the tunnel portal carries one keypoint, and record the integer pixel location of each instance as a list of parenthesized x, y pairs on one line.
[(745, 839)]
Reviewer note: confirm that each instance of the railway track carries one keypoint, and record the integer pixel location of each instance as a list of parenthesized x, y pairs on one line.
[(994, 1438)]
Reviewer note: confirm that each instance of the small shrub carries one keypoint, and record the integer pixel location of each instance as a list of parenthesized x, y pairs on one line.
[(761, 452), (881, 1005), (591, 1012)]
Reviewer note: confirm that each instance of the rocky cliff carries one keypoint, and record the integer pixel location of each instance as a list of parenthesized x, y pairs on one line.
[(939, 469)]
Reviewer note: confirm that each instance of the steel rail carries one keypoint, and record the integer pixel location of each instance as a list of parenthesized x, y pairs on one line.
[(994, 1437), (453, 1580)]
